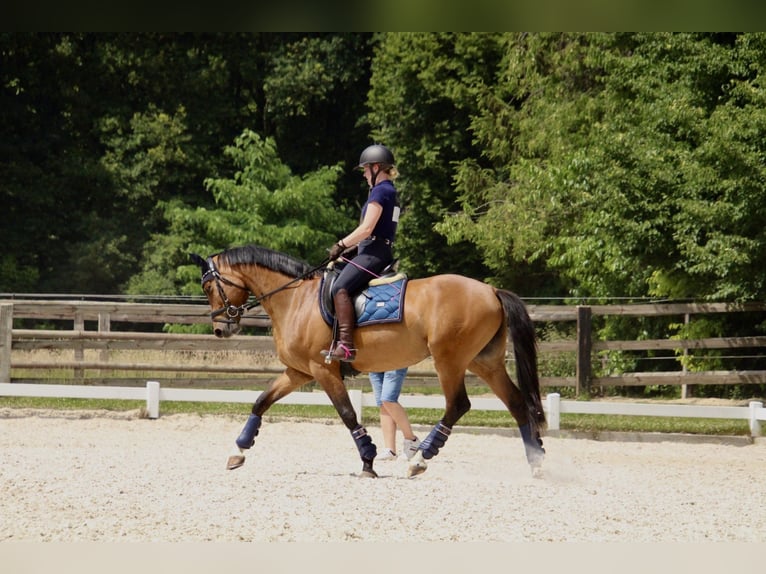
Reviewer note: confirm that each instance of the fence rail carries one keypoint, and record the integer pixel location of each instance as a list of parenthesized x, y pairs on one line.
[(584, 348)]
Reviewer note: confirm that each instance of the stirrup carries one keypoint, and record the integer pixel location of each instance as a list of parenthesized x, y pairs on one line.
[(348, 354)]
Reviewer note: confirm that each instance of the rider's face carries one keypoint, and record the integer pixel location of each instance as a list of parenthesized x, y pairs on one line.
[(367, 171)]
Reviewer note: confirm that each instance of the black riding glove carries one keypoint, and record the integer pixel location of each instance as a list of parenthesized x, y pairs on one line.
[(336, 250)]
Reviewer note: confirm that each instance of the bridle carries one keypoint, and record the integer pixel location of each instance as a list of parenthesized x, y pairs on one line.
[(235, 312)]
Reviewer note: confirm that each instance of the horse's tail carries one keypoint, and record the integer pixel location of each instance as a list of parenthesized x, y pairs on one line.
[(522, 332)]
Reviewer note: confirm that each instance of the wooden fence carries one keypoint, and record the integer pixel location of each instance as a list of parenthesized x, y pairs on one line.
[(102, 315), (103, 339)]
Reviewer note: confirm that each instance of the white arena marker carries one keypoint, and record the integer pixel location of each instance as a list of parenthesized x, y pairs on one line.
[(153, 399)]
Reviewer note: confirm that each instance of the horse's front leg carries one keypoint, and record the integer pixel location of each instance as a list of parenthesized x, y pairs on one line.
[(283, 385), (333, 385), (457, 404)]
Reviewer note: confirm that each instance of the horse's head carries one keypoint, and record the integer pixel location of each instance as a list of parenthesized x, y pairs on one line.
[(227, 296)]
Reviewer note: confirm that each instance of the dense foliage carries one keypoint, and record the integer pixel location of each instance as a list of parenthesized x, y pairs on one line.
[(629, 164), (104, 133), (600, 165)]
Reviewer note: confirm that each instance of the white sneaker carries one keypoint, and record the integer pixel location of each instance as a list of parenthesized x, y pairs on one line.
[(386, 454), (410, 447)]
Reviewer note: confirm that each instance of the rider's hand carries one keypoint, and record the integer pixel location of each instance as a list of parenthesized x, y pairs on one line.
[(336, 250)]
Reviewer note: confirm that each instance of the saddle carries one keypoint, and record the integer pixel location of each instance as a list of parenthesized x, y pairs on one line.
[(381, 302)]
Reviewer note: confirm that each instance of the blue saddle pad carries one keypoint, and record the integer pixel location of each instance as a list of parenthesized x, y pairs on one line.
[(381, 303)]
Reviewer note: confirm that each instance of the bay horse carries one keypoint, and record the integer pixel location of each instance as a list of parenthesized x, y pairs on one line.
[(463, 324)]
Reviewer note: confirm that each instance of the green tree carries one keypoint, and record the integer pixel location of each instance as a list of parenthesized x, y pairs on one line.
[(424, 91), (51, 176), (264, 203), (101, 131), (627, 163), (314, 103)]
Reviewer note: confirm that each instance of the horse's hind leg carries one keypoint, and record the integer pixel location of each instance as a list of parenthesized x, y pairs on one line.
[(492, 371), (283, 385)]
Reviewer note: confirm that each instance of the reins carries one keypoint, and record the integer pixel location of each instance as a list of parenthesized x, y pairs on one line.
[(235, 312)]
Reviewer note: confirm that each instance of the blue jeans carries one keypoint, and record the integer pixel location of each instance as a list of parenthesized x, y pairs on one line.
[(387, 386)]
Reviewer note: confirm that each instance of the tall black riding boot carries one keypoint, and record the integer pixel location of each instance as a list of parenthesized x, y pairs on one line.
[(343, 349)]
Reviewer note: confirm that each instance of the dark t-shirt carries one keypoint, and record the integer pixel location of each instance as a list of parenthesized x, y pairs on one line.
[(372, 256), (385, 195)]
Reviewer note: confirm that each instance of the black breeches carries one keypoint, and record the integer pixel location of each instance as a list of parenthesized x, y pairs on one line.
[(358, 272)]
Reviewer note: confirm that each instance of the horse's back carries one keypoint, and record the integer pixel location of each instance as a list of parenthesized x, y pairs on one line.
[(449, 287), (452, 299)]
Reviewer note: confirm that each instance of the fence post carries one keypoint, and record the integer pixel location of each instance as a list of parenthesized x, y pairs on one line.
[(584, 347), (755, 424), (6, 327), (104, 326), (553, 402), (356, 401), (686, 390), (79, 352), (153, 399)]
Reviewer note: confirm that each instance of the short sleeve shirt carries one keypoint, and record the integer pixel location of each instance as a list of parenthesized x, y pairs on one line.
[(385, 195)]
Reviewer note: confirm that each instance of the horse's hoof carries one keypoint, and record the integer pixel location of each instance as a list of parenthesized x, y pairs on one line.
[(537, 472), (235, 461), (368, 474), (415, 470), (418, 465)]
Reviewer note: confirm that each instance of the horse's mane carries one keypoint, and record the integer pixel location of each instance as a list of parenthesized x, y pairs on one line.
[(274, 260)]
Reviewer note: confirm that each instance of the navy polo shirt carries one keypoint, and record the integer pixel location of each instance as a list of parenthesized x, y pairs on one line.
[(384, 194)]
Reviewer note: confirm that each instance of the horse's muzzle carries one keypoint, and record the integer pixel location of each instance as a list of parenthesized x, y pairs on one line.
[(225, 330)]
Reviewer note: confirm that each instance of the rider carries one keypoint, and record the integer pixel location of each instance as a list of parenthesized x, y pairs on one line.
[(374, 237)]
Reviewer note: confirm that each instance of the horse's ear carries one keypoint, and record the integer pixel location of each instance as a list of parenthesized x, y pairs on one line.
[(199, 261)]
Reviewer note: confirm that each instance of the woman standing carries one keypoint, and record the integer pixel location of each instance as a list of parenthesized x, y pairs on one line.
[(387, 387)]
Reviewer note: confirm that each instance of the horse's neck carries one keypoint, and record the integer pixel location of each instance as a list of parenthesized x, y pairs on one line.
[(261, 281), (280, 290)]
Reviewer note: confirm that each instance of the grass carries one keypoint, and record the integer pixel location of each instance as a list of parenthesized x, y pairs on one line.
[(418, 416)]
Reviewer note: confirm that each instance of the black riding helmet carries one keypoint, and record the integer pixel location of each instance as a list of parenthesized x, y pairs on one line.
[(376, 153)]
